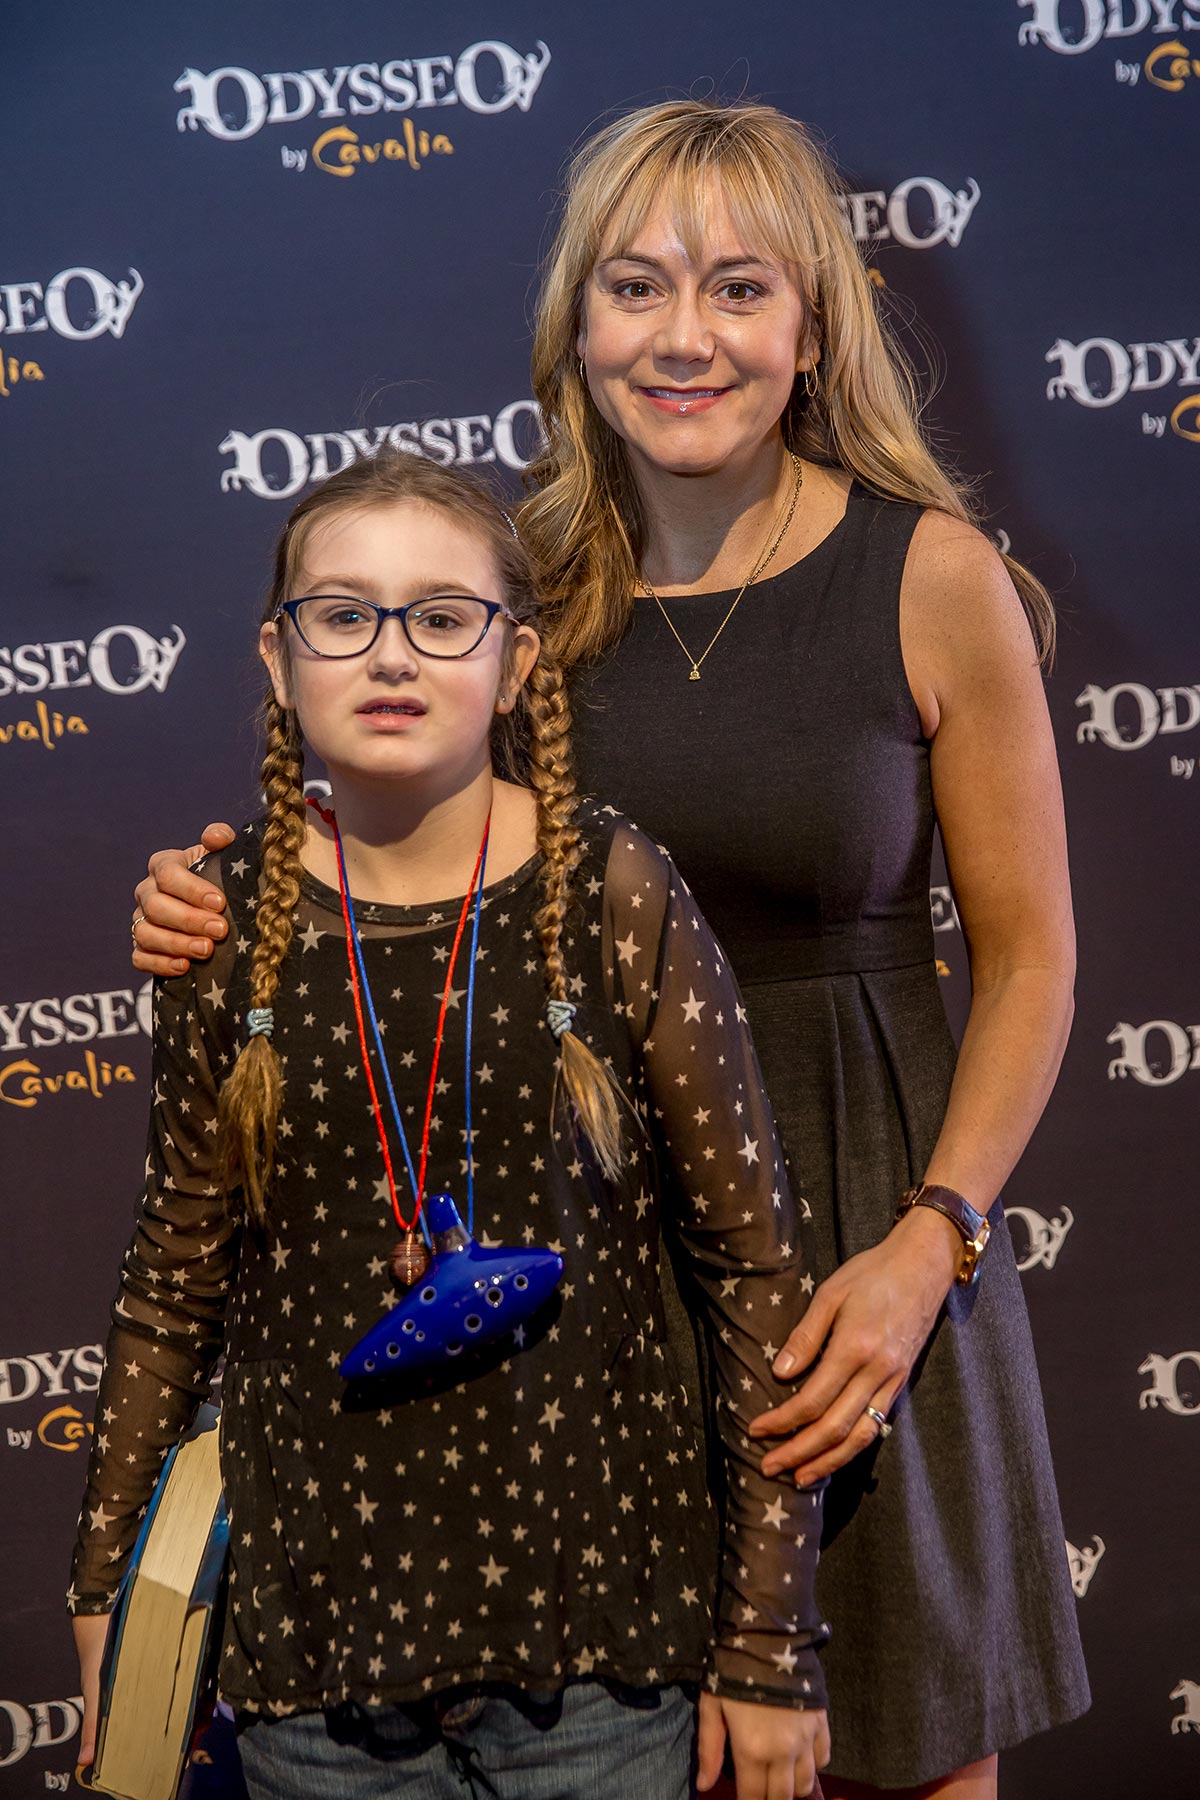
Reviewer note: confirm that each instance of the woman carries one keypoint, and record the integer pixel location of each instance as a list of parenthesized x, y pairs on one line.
[(792, 651), (486, 1573)]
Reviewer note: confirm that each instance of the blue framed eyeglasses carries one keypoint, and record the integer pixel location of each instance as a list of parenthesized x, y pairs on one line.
[(444, 625)]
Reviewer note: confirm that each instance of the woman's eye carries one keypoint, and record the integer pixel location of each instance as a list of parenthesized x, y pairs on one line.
[(626, 290), (741, 290)]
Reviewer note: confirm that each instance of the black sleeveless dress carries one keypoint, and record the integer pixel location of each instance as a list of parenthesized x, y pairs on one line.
[(791, 784)]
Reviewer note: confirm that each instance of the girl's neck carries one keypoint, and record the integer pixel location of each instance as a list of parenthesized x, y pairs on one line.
[(407, 844), (704, 533)]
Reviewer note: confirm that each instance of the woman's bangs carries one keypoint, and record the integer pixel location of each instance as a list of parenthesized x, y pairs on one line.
[(698, 184)]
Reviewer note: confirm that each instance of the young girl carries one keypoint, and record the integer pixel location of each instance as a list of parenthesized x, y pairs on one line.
[(494, 1580)]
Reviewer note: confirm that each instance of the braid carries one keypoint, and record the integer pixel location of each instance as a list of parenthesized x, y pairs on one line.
[(253, 1091), (588, 1082)]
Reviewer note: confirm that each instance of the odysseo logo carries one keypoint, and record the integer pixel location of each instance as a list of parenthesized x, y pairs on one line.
[(38, 1725), (1157, 1054), (78, 303), (1072, 26), (1100, 372), (1129, 716), (276, 463), (487, 77), (919, 214), (122, 659)]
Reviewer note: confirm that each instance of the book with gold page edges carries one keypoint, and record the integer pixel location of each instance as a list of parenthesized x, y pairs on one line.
[(164, 1631)]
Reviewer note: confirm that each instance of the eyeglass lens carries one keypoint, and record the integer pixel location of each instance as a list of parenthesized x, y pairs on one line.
[(447, 625)]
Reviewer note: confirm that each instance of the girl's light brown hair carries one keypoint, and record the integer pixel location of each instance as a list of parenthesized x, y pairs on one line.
[(531, 743), (584, 518)]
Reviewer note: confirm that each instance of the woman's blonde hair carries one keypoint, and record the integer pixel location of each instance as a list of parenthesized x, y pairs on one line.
[(583, 518), (532, 742)]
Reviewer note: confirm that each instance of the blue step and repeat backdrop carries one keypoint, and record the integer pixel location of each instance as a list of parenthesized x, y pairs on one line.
[(242, 245)]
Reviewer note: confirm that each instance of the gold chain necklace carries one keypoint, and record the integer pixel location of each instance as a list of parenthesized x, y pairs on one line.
[(695, 661)]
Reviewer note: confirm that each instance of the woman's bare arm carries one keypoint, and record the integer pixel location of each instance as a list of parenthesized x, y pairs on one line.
[(974, 676)]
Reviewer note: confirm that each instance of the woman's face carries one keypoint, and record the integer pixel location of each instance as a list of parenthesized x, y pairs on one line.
[(692, 362), (391, 713)]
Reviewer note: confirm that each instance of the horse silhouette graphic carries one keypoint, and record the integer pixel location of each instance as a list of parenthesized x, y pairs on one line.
[(1164, 1383), (1189, 1718), (1082, 1564), (1045, 1236)]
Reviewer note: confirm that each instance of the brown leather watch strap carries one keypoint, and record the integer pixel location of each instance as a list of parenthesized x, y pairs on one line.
[(972, 1225)]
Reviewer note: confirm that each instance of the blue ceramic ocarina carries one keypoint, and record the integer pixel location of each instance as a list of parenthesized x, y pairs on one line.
[(468, 1296)]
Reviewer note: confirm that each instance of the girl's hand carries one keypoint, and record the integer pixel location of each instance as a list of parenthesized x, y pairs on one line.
[(90, 1634), (178, 914), (868, 1323), (776, 1750)]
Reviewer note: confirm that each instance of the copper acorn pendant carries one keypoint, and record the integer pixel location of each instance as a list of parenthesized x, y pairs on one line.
[(409, 1260)]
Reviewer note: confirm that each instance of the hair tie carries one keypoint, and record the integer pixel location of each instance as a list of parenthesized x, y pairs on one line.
[(260, 1021), (559, 1014), (509, 523)]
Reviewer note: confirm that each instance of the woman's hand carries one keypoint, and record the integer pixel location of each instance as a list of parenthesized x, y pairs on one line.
[(90, 1634), (178, 914), (868, 1323), (777, 1750)]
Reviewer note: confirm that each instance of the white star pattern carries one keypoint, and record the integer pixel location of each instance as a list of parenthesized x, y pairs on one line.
[(570, 1466)]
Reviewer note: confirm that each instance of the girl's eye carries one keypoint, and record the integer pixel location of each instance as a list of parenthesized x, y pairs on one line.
[(341, 615)]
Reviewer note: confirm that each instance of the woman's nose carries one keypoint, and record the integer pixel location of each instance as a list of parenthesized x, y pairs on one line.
[(684, 335)]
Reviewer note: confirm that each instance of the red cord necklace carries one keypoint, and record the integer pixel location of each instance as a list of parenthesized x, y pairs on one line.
[(410, 1258)]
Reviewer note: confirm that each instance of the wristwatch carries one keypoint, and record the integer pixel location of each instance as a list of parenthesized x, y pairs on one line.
[(974, 1227)]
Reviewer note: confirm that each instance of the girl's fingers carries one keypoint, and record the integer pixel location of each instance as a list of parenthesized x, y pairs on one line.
[(710, 1742)]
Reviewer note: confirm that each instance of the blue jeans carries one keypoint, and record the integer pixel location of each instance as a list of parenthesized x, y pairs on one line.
[(585, 1744)]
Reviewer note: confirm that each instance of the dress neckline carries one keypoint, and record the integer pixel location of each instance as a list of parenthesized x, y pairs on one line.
[(433, 913), (854, 494)]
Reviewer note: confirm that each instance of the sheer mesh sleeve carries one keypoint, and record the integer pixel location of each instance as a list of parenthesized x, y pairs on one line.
[(168, 1316), (725, 1184)]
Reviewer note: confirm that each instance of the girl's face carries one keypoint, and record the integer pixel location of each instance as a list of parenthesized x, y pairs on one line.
[(391, 713), (692, 361)]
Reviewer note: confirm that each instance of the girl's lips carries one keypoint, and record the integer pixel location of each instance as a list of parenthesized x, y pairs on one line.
[(383, 715), (683, 402)]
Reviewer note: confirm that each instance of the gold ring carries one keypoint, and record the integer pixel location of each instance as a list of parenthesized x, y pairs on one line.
[(138, 917), (873, 1412)]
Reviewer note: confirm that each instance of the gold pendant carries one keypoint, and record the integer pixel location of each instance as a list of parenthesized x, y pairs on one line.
[(695, 674)]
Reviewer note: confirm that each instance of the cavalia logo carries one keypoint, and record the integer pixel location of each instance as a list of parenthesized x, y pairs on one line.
[(121, 659), (1156, 1054), (276, 463), (1166, 1375), (1100, 372), (487, 77), (918, 214), (79, 304), (1072, 27), (39, 1725), (1043, 1237), (1082, 1564), (52, 1023)]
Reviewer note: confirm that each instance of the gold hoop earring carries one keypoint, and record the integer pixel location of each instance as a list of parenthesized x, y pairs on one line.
[(810, 383), (582, 372)]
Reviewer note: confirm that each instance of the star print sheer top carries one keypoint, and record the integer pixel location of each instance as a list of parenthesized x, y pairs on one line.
[(545, 1518)]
